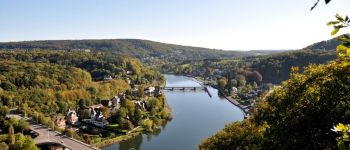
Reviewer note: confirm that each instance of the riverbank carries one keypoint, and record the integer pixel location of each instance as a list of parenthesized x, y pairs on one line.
[(137, 131), (106, 142), (243, 108)]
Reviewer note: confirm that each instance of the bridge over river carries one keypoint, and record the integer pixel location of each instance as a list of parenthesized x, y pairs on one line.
[(47, 135), (187, 88)]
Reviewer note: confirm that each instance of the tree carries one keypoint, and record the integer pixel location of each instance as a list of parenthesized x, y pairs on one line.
[(11, 136), (148, 125), (126, 124), (105, 112), (141, 91), (234, 82), (82, 104), (237, 135), (3, 112), (23, 125), (307, 107), (24, 142), (138, 116), (29, 144), (297, 116), (70, 132), (222, 82), (130, 106)]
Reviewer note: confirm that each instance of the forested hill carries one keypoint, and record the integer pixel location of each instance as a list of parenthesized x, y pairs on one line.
[(325, 45), (142, 49)]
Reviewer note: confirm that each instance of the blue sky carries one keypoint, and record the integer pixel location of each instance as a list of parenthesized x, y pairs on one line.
[(221, 24)]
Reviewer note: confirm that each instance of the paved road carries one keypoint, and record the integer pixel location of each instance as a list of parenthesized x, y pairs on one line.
[(49, 136)]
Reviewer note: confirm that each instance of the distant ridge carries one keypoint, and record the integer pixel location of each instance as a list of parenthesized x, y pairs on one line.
[(134, 47)]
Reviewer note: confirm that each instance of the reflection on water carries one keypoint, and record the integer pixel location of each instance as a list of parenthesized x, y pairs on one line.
[(196, 116)]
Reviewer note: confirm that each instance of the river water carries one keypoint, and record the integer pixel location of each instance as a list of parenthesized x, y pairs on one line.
[(196, 117)]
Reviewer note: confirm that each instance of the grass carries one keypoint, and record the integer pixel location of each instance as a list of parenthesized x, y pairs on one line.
[(102, 142)]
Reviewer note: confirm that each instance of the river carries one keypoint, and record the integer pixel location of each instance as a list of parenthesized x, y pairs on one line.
[(196, 117)]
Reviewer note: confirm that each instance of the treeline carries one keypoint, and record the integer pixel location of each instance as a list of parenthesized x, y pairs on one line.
[(276, 68), (97, 64), (272, 68), (142, 49)]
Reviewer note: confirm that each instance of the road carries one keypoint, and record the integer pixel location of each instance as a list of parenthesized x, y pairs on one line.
[(49, 136)]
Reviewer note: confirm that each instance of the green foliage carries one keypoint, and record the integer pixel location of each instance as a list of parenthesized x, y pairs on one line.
[(222, 82), (343, 49), (148, 125), (341, 22), (51, 82), (307, 107), (23, 125), (23, 75), (97, 64), (24, 142), (237, 135), (141, 91), (276, 68), (106, 112), (141, 49), (297, 116), (138, 116), (343, 139), (70, 132), (130, 106)]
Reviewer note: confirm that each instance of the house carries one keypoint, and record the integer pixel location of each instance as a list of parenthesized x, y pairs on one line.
[(106, 103), (115, 101), (72, 117), (234, 90), (107, 77), (150, 90), (59, 121), (96, 116), (140, 104)]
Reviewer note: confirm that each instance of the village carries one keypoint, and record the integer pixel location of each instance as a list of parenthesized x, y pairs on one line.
[(116, 116)]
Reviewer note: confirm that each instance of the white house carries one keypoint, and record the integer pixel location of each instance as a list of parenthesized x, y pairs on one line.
[(72, 117), (96, 116), (107, 77), (234, 90)]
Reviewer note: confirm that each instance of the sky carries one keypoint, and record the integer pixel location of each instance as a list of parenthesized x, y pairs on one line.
[(219, 24)]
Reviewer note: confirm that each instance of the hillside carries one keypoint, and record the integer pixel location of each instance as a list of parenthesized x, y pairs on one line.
[(142, 49), (46, 84), (276, 68), (330, 44)]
